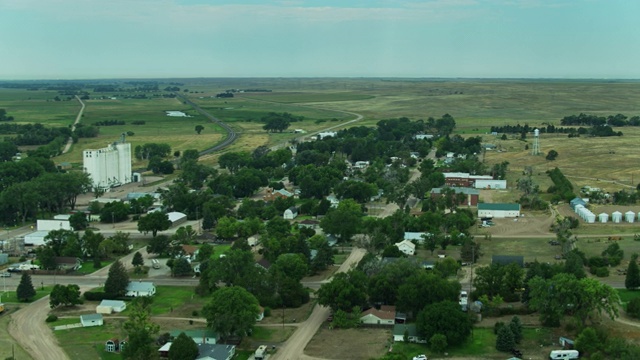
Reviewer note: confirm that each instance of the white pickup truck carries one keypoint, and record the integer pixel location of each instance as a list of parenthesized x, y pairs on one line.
[(26, 267)]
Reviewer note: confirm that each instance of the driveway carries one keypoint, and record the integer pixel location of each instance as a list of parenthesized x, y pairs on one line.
[(293, 348)]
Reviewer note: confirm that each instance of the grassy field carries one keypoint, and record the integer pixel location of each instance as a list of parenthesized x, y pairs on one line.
[(87, 267), (10, 296), (272, 334), (175, 301), (88, 343), (535, 345)]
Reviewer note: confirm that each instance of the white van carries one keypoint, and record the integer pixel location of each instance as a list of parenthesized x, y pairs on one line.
[(564, 354), (155, 264)]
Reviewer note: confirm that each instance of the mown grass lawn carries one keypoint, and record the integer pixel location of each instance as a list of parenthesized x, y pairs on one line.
[(11, 296), (88, 342), (169, 298), (272, 334), (88, 268)]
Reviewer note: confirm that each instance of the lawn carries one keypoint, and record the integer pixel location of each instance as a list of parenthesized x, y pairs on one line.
[(175, 300), (627, 295), (482, 344), (88, 343), (272, 334), (10, 296)]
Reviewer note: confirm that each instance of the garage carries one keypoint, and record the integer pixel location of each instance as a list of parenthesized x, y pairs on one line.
[(498, 210)]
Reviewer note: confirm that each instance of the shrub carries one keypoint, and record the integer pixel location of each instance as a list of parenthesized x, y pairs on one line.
[(51, 318), (633, 308), (602, 272), (194, 313), (497, 327), (95, 295), (267, 311)]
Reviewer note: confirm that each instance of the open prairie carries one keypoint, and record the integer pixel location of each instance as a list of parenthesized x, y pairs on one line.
[(475, 104)]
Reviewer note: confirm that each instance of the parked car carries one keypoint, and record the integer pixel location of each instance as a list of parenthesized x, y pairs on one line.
[(13, 269), (420, 357)]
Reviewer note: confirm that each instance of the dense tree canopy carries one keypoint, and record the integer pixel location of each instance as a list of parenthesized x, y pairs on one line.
[(232, 311)]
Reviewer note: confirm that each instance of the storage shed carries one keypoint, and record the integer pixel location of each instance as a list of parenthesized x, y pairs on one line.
[(91, 320), (111, 306), (629, 216), (36, 238), (603, 217), (291, 213), (616, 216), (176, 218)]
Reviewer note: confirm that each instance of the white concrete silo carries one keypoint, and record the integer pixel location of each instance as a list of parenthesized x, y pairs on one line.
[(616, 216), (629, 216)]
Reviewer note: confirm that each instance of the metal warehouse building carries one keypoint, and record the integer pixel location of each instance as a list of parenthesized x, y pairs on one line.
[(486, 210)]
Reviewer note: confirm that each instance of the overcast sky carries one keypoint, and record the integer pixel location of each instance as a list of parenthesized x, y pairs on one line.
[(77, 39)]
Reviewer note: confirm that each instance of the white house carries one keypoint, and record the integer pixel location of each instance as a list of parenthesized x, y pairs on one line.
[(325, 134), (423, 136), (291, 213), (384, 316), (91, 320), (140, 288), (198, 336), (407, 247), (333, 200), (111, 306), (486, 210)]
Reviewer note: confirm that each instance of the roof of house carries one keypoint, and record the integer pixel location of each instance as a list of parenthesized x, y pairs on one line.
[(112, 303), (214, 351), (499, 206), (198, 333), (189, 249), (264, 263), (507, 259), (414, 235), (175, 216), (399, 329), (284, 192), (165, 347), (458, 190), (140, 286), (385, 315), (66, 260), (90, 317), (406, 243)]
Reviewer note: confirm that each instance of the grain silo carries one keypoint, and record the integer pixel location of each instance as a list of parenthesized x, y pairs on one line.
[(603, 218), (616, 216), (629, 216)]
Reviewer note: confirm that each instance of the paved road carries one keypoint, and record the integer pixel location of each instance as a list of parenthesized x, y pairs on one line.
[(73, 127), (293, 348)]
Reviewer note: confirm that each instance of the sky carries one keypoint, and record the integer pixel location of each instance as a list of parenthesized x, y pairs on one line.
[(98, 39)]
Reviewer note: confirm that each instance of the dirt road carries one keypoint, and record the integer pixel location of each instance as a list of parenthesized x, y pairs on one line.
[(73, 127), (293, 348), (28, 328)]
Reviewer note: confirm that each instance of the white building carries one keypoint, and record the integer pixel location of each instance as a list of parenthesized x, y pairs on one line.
[(48, 225), (110, 166), (407, 247), (111, 306), (490, 184), (140, 288), (498, 210)]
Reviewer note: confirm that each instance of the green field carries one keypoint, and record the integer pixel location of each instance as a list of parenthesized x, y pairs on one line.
[(88, 343), (10, 296), (170, 299)]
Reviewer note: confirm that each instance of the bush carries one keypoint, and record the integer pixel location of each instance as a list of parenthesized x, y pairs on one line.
[(51, 318), (497, 327), (267, 311), (633, 308), (194, 313), (95, 295), (602, 272)]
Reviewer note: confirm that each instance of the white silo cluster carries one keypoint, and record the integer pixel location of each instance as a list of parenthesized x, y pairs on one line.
[(617, 217), (585, 214), (629, 216)]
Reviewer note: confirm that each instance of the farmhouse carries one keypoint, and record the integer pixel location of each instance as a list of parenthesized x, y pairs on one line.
[(291, 213), (407, 247), (384, 316), (400, 330), (464, 195), (111, 306), (140, 288), (68, 262), (91, 320), (501, 210)]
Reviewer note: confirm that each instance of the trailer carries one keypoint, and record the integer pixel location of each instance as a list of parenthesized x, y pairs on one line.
[(564, 354)]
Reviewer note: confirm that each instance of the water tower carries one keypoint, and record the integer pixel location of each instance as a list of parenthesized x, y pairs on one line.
[(536, 142)]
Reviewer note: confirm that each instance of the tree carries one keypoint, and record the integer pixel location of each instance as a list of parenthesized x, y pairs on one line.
[(422, 289), (204, 253), (633, 308), (154, 222), (64, 295), (183, 348), (159, 245), (78, 221), (117, 280), (181, 267), (632, 279), (25, 290), (588, 342), (199, 129), (551, 155), (516, 329), (232, 311), (505, 340), (140, 331), (343, 221), (438, 343), (137, 260), (293, 266), (444, 318), (345, 291)]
